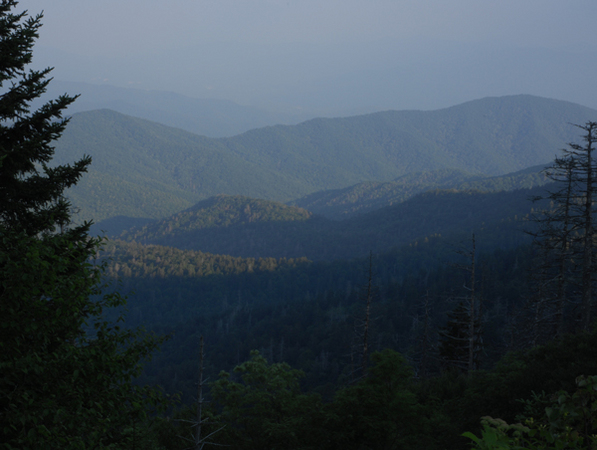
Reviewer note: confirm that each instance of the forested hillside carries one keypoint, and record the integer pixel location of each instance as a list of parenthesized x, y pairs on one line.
[(233, 295), (369, 196), (245, 227), (145, 170), (310, 315), (492, 136), (338, 299)]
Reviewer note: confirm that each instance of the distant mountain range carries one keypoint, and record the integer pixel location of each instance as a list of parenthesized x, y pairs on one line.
[(204, 116), (142, 169)]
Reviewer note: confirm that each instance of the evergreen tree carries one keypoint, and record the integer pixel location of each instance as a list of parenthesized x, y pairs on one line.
[(455, 340), (381, 411), (65, 372), (31, 192)]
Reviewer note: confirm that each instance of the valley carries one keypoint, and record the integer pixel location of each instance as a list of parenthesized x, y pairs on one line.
[(276, 239)]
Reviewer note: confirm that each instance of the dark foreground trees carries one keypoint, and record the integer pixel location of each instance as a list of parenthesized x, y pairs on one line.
[(65, 373), (261, 406), (565, 237)]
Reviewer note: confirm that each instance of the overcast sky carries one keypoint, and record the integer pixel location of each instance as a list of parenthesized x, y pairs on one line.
[(422, 53)]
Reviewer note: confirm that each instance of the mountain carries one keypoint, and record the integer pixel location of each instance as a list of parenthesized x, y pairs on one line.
[(234, 225), (244, 227), (492, 136), (366, 197), (146, 170), (221, 211), (143, 169), (204, 116)]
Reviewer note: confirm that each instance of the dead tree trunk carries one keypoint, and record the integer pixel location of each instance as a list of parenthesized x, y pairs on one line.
[(566, 232), (198, 441), (362, 326), (461, 338), (588, 253), (472, 313), (365, 358)]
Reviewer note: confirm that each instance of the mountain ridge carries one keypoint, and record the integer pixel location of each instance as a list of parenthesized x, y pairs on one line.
[(282, 163), (365, 197), (219, 225)]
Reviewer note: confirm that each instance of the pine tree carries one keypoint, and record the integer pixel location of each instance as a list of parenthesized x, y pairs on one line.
[(31, 192), (65, 372)]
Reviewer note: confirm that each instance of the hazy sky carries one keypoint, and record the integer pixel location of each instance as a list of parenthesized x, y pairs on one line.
[(421, 53)]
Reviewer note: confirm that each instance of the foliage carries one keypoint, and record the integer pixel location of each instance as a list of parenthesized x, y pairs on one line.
[(301, 312), (569, 423), (30, 191), (381, 411), (455, 339), (265, 408), (62, 386), (149, 261), (518, 375), (66, 373)]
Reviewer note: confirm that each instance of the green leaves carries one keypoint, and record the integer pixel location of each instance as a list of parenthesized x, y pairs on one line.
[(570, 423), (381, 411), (264, 408)]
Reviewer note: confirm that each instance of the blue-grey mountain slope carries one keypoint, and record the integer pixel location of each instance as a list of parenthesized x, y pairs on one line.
[(147, 170), (366, 197), (143, 169), (492, 136)]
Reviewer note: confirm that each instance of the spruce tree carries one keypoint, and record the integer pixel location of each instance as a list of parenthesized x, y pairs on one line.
[(66, 374), (31, 192)]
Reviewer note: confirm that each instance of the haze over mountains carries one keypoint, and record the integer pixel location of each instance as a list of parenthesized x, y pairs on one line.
[(142, 169), (205, 116), (345, 78)]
